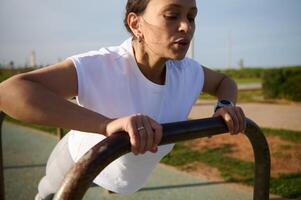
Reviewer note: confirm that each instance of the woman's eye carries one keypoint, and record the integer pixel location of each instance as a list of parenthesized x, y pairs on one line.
[(171, 17), (191, 19)]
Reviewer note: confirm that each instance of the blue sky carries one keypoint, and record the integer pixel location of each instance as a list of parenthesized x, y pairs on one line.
[(262, 32)]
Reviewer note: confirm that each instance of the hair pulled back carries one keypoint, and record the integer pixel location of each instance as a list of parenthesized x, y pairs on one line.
[(135, 6)]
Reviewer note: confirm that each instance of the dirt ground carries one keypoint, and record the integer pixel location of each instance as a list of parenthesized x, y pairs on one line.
[(285, 156)]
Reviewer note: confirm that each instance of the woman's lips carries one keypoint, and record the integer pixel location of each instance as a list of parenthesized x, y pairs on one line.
[(182, 43)]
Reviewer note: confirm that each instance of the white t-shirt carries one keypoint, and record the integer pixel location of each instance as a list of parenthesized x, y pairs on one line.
[(110, 83)]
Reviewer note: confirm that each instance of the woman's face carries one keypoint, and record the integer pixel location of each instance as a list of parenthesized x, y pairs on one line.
[(168, 27)]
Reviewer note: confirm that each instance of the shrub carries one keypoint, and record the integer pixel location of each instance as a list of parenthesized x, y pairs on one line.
[(282, 83), (244, 73), (6, 73)]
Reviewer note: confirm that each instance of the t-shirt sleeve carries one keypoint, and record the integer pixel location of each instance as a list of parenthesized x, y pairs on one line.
[(85, 65), (196, 74), (78, 67), (201, 76)]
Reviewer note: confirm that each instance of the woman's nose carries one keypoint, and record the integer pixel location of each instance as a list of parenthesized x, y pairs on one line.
[(185, 26)]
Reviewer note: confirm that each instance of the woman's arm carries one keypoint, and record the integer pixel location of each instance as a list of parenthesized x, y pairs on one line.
[(224, 88), (219, 85), (41, 97)]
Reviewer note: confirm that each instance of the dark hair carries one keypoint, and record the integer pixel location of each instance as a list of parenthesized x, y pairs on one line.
[(135, 6)]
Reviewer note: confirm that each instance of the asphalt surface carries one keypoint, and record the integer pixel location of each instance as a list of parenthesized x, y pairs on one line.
[(26, 152)]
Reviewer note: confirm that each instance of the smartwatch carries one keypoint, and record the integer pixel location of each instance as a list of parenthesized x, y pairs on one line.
[(223, 103)]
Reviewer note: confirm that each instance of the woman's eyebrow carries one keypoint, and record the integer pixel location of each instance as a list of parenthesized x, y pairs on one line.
[(177, 6)]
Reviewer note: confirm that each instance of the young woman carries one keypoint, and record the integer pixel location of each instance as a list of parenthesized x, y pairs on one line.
[(134, 87)]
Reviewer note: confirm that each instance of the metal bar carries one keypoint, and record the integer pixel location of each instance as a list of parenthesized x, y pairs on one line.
[(79, 178), (262, 161), (2, 189)]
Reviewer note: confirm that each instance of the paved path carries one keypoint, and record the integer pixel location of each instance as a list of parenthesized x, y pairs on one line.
[(26, 151), (265, 115), (249, 86)]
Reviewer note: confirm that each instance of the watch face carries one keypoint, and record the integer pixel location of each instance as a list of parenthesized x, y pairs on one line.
[(225, 102)]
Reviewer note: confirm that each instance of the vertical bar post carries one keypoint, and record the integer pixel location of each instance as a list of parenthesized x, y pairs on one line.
[(59, 133), (2, 188)]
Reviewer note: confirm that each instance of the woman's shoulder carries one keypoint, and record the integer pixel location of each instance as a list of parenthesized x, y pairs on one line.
[(102, 53)]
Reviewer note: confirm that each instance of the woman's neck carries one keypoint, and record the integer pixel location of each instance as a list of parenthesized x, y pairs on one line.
[(151, 65)]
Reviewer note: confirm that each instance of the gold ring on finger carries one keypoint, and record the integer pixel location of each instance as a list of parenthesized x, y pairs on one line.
[(140, 128)]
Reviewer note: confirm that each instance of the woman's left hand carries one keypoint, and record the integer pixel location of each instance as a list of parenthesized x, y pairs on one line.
[(234, 118)]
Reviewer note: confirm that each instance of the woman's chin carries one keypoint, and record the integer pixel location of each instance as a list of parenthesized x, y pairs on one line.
[(178, 56)]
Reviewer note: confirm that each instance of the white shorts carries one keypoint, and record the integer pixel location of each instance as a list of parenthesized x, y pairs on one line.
[(58, 165)]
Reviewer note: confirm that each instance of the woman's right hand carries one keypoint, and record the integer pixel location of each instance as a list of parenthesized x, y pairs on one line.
[(145, 133)]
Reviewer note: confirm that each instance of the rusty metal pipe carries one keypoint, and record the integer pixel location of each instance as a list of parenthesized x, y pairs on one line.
[(262, 161), (79, 178)]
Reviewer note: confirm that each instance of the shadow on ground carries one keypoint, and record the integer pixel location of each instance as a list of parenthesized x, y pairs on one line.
[(182, 186), (23, 166)]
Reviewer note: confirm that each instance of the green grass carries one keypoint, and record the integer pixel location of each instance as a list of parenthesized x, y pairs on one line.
[(231, 169), (205, 96), (288, 185), (6, 73), (250, 96), (292, 136), (243, 96), (247, 80)]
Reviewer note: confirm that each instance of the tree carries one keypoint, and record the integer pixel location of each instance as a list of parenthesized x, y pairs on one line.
[(11, 64)]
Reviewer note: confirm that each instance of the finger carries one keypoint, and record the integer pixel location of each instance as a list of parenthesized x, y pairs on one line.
[(134, 137), (244, 119), (154, 150), (232, 113), (240, 120), (149, 133), (142, 133), (158, 132), (228, 119)]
